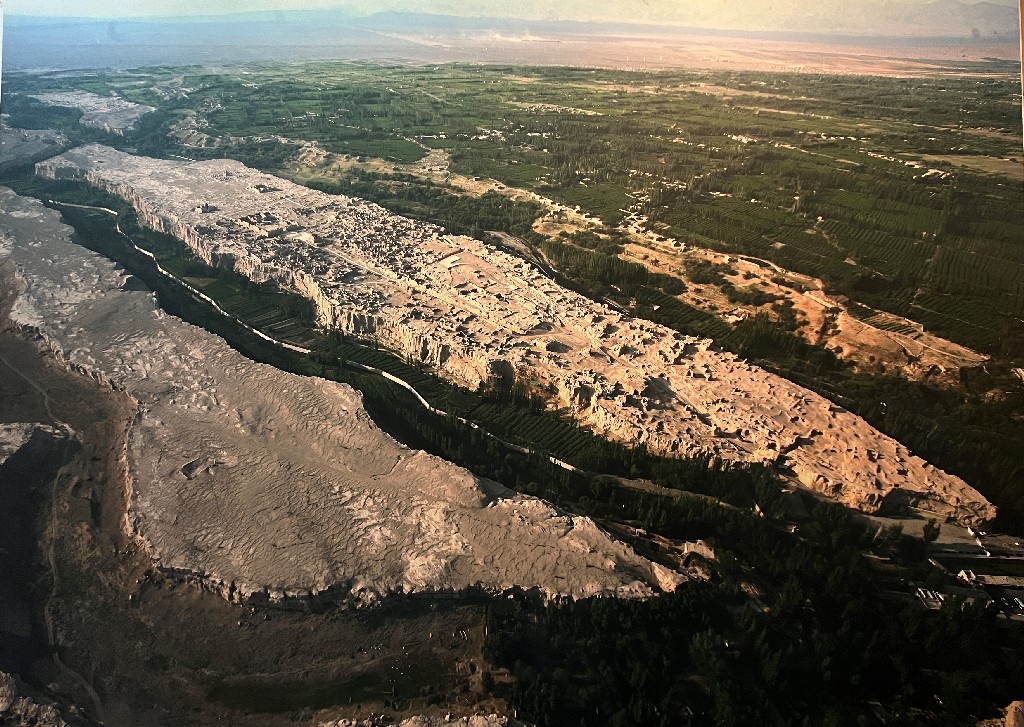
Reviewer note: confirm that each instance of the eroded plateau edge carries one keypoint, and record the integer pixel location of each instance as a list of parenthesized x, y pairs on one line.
[(271, 486)]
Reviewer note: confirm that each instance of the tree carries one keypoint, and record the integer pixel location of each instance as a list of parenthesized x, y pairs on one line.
[(890, 540)]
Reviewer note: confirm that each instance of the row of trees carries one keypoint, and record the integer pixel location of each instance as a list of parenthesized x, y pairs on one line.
[(819, 645)]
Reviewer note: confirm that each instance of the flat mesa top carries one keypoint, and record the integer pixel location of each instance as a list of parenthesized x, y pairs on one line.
[(104, 112)]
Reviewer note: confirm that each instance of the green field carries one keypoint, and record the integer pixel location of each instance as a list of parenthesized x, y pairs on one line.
[(842, 178), (835, 177)]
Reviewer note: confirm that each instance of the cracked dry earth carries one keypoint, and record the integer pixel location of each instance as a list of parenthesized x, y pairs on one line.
[(471, 311), (273, 486)]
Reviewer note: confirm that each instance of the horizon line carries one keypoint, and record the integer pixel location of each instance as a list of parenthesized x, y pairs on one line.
[(254, 16)]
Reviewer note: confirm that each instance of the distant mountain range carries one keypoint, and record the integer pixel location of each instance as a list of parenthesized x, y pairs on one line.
[(885, 18), (59, 43), (950, 17)]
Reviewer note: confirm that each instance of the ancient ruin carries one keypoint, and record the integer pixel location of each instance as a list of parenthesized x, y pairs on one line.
[(475, 314), (112, 114)]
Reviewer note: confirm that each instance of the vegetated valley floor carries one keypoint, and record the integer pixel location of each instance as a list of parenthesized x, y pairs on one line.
[(835, 229)]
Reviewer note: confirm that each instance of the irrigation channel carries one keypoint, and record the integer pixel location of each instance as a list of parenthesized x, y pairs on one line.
[(201, 297)]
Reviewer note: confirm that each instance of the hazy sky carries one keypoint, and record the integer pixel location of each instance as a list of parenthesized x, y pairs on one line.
[(679, 10)]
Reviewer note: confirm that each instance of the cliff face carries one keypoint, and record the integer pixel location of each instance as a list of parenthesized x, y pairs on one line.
[(270, 487), (474, 313), (463, 366)]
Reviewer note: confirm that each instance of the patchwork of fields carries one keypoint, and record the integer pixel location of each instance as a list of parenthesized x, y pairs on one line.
[(852, 180)]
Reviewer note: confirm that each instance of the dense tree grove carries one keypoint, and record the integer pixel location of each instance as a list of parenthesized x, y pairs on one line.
[(460, 214), (820, 643), (794, 628)]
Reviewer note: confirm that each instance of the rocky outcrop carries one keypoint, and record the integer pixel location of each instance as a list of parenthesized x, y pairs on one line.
[(19, 709), (274, 488), (19, 147), (13, 437), (30, 452), (475, 313), (1014, 717)]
